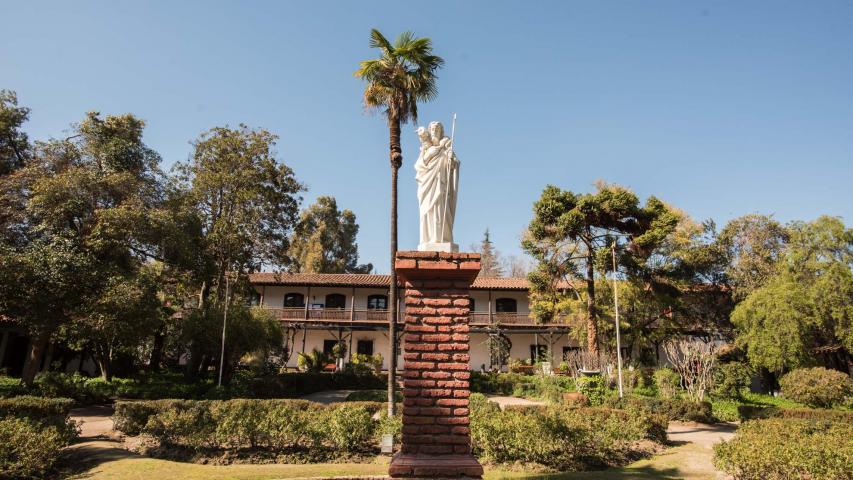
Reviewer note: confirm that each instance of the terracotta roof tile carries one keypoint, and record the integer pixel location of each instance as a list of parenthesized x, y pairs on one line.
[(370, 280)]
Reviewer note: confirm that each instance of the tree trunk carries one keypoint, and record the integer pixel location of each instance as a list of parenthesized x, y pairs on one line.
[(157, 350), (105, 366), (396, 162), (34, 357), (592, 314)]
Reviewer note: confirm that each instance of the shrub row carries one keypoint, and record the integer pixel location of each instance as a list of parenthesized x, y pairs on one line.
[(673, 408), (731, 411), (32, 432), (542, 387), (817, 387), (788, 448), (87, 390), (274, 425), (560, 437)]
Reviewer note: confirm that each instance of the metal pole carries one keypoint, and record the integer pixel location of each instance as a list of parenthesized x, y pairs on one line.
[(224, 324), (616, 304)]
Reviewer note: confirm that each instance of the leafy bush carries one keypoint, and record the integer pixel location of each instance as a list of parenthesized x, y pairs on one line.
[(48, 412), (82, 389), (559, 437), (10, 387), (668, 382), (349, 427), (275, 425), (593, 387), (817, 387), (28, 448), (730, 379), (777, 449), (671, 409)]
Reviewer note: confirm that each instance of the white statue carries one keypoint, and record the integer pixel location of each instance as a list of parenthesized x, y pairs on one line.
[(437, 174)]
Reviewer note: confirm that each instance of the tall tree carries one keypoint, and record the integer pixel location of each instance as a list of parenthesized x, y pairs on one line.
[(751, 246), (571, 237), (805, 304), (324, 240), (41, 287), (237, 206), (15, 150), (89, 203), (14, 144), (245, 203), (490, 257), (403, 75)]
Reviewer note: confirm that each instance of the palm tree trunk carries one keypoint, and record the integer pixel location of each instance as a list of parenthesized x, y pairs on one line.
[(396, 162)]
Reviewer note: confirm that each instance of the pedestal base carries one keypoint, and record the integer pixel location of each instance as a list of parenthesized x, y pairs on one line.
[(435, 466), (438, 247)]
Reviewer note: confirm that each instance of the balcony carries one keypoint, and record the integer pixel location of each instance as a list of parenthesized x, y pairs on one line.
[(331, 315), (345, 316)]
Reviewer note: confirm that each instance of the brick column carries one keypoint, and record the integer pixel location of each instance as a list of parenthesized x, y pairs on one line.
[(436, 438)]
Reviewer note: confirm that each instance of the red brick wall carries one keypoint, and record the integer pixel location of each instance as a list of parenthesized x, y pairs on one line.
[(436, 342)]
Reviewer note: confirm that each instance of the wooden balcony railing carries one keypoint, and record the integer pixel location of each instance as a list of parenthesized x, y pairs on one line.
[(343, 315)]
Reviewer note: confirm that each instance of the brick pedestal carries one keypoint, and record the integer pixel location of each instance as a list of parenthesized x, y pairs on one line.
[(436, 438)]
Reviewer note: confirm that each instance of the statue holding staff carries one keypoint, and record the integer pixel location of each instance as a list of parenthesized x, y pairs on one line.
[(437, 175)]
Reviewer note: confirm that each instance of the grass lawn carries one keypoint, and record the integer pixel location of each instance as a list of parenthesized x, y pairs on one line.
[(679, 462)]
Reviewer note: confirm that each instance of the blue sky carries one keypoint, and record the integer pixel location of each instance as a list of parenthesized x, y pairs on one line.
[(720, 108)]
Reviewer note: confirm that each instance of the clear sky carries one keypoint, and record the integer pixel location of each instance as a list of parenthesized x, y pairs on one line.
[(720, 108)]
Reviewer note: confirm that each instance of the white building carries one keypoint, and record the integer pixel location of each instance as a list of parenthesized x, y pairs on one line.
[(323, 309)]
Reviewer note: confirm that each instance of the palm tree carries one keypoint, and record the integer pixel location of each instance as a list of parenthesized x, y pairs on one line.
[(403, 75)]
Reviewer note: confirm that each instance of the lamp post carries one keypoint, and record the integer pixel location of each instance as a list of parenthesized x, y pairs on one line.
[(224, 325), (616, 305)]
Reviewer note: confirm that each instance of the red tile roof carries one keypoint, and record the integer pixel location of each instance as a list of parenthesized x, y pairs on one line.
[(369, 280)]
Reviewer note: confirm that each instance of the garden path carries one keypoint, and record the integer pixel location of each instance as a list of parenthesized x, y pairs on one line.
[(328, 396), (503, 401)]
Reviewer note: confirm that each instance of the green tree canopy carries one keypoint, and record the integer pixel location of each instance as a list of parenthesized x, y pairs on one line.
[(89, 215), (324, 240), (751, 246), (245, 202), (806, 303), (14, 144), (571, 236)]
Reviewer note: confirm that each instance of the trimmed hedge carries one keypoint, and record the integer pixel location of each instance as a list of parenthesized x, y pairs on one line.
[(32, 432), (28, 448), (788, 448), (273, 425), (560, 437), (817, 387), (673, 408), (87, 390)]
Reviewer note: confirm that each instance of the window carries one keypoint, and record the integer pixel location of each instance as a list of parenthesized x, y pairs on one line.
[(294, 300), (377, 302), (568, 351), (336, 300), (471, 304), (539, 353), (506, 305), (364, 347), (253, 299), (328, 345)]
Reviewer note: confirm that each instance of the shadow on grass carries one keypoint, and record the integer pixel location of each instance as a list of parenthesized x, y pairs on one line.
[(639, 473), (80, 458)]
